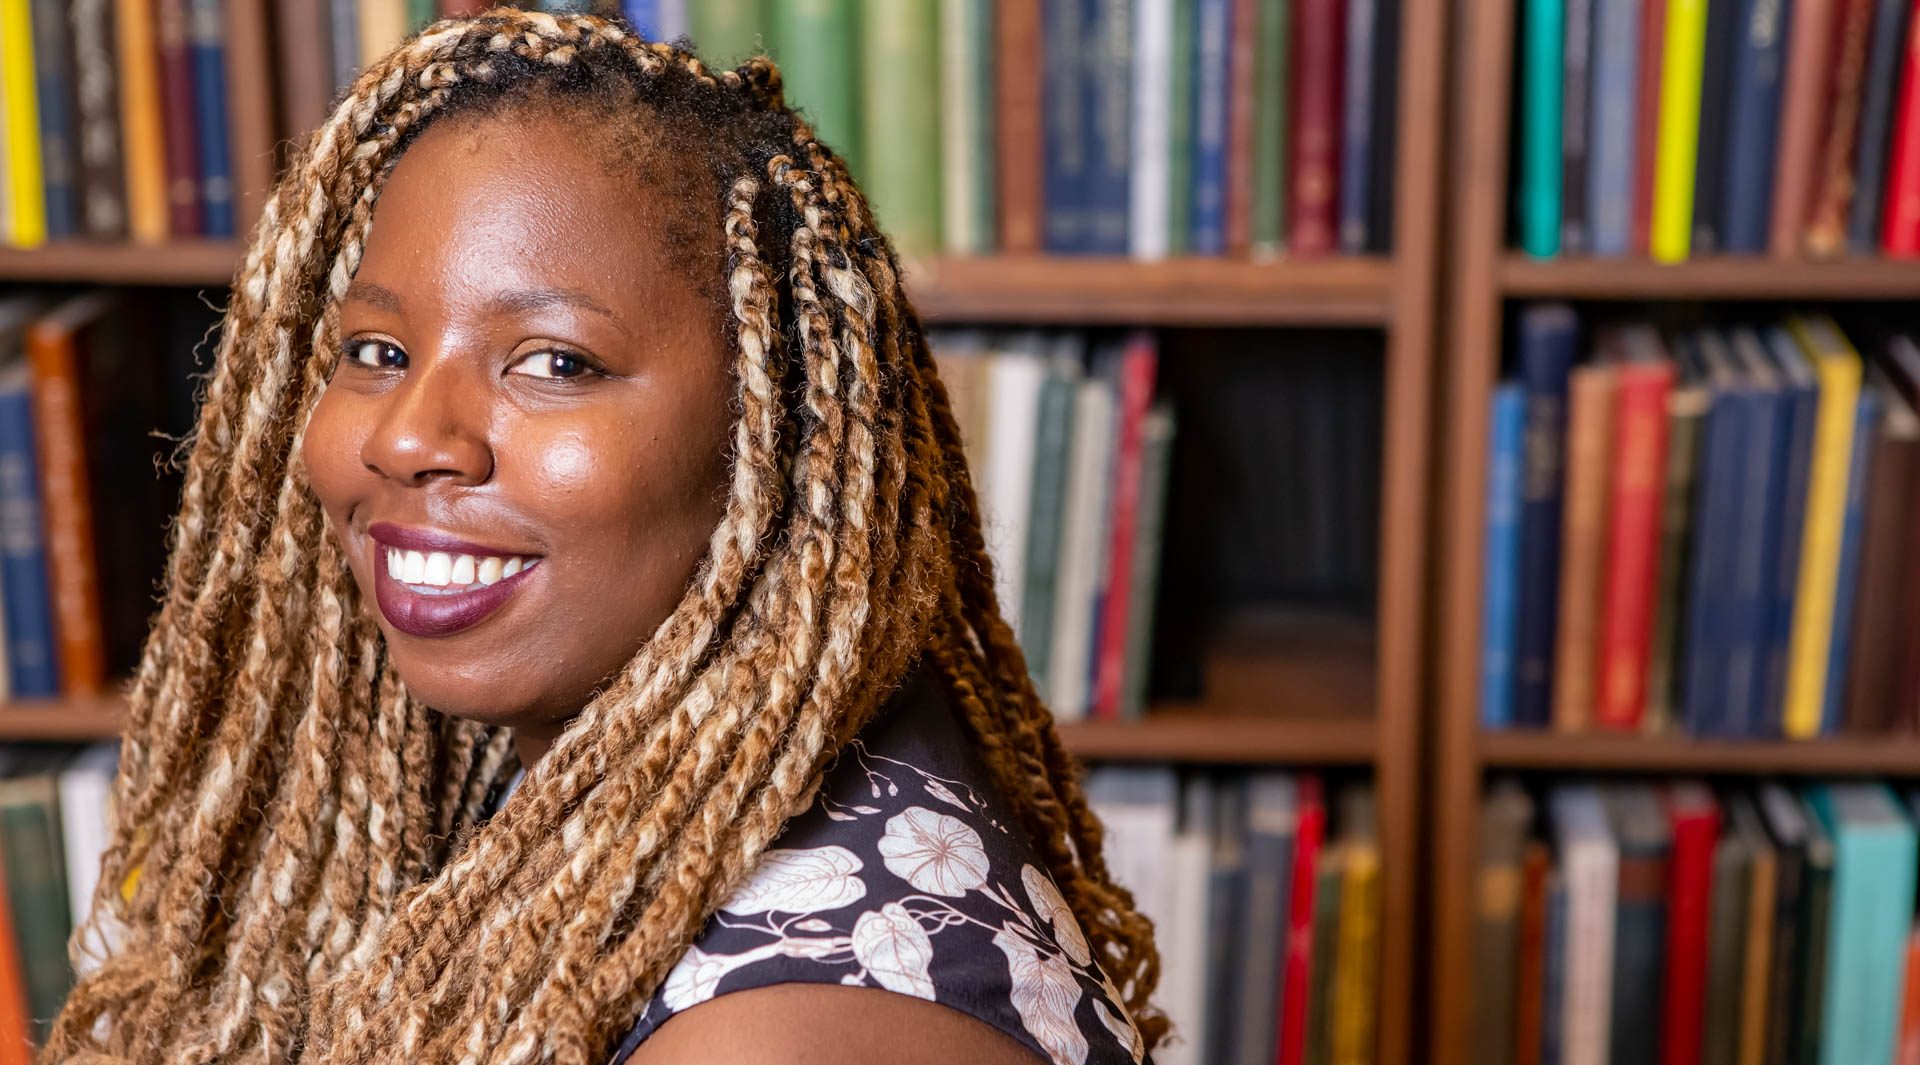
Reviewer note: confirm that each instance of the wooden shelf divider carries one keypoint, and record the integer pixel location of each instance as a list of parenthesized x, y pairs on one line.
[(1721, 278), (179, 262), (1602, 752)]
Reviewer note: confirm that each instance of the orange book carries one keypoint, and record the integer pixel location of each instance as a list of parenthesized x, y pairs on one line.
[(53, 354), (1017, 109), (1590, 397), (1530, 972), (1907, 1050), (143, 147), (1638, 495), (16, 1039)]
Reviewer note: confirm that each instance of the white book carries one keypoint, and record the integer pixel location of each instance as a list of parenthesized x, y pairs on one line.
[(86, 790), (673, 19), (1147, 196), (1015, 375), (1590, 862), (1183, 939), (959, 127), (1081, 534)]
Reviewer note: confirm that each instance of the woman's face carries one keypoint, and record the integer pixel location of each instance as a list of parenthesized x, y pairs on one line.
[(523, 449)]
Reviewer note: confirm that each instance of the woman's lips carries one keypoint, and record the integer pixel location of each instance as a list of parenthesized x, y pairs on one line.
[(458, 601)]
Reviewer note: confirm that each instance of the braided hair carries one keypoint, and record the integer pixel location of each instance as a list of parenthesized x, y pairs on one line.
[(301, 869)]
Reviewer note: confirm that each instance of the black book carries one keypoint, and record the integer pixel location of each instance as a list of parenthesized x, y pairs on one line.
[(1576, 106), (1787, 824), (1716, 102), (1886, 44)]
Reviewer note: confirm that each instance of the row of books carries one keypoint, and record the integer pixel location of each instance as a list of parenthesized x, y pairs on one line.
[(1675, 128), (113, 121), (1070, 456), (1264, 889), (1664, 922), (1706, 530), (81, 504)]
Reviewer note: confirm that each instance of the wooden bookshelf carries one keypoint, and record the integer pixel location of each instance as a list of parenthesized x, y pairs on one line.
[(184, 263), (1724, 278), (1600, 752)]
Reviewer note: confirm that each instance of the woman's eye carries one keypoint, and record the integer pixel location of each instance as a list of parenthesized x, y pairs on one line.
[(561, 364), (376, 355)]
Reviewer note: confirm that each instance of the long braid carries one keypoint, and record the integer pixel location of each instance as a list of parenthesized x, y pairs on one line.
[(311, 878)]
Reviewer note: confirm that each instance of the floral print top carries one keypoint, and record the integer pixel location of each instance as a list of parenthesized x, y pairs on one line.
[(909, 873)]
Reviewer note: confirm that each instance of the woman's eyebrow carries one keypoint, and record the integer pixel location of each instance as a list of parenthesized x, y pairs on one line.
[(536, 299), (378, 295)]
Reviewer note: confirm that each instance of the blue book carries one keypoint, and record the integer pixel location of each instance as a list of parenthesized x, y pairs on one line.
[(644, 15), (1266, 891), (53, 76), (1553, 991), (1549, 334), (1747, 621), (346, 39), (1541, 85), (1723, 449), (1753, 124), (1226, 880), (1500, 600), (1356, 136), (1640, 826), (206, 41), (1212, 93), (1869, 913), (1616, 74), (1886, 45), (1106, 77), (1795, 458), (1064, 163), (1866, 428), (34, 671), (1710, 139)]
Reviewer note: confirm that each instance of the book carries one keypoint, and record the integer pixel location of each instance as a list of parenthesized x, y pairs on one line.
[(96, 97), (1866, 429), (1018, 133), (1832, 197), (1064, 142), (1793, 465), (1225, 942), (728, 31), (1156, 463), (380, 25), (1753, 125), (54, 77), (1133, 375), (1747, 623), (1616, 55), (1089, 458), (181, 133), (1109, 125), (1356, 977), (1838, 366), (1548, 334), (1499, 598), (141, 124), (1576, 64), (1718, 1021), (1543, 38), (1326, 932), (1641, 920), (1271, 110), (1881, 622), (1245, 19), (1907, 1048), (1872, 897), (1318, 31), (1506, 812), (36, 886), (818, 49), (898, 45), (19, 97), (1900, 230), (207, 44), (1530, 972), (1590, 861), (1901, 362), (1183, 963), (1724, 458), (1047, 498), (1679, 132), (1180, 146), (16, 1033), (1790, 835), (32, 657), (1636, 491), (1886, 45), (1365, 23), (1713, 143), (1694, 828), (1651, 70), (344, 17), (1553, 990), (1206, 172), (1743, 821), (1809, 59), (85, 790), (1300, 945), (1686, 413), (1816, 912), (1016, 375), (1271, 895), (1590, 422), (1152, 181)]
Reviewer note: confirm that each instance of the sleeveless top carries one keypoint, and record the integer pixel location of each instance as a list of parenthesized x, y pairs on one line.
[(909, 873)]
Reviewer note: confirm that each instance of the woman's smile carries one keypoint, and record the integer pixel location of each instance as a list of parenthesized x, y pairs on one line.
[(429, 582)]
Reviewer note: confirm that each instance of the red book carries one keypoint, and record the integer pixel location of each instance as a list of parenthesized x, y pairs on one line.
[(1136, 372), (1637, 491), (1803, 106), (1695, 819), (1296, 971), (1907, 1050), (182, 136), (1900, 235), (1240, 108), (1646, 119), (1530, 974), (461, 8), (16, 1036), (1017, 111), (1319, 31)]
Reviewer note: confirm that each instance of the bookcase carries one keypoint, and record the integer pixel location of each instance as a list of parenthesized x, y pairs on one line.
[(1484, 279), (1348, 702)]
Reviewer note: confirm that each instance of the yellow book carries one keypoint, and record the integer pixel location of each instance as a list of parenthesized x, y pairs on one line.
[(1679, 129), (1838, 367), (20, 125), (383, 24), (1356, 965), (142, 150)]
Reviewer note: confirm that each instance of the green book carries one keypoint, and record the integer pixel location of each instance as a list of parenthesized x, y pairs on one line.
[(726, 31), (1320, 964), (817, 44), (419, 13), (899, 73), (1270, 129), (1686, 410), (1156, 456), (1180, 131), (36, 874), (1053, 438), (966, 126)]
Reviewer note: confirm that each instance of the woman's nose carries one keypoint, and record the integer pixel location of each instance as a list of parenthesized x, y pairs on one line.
[(432, 428)]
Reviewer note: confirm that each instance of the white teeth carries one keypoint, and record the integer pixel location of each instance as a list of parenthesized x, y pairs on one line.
[(439, 569), (415, 570), (489, 570), (512, 567), (395, 563), (462, 570)]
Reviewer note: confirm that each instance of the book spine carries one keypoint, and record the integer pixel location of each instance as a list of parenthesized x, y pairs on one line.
[(959, 128), (1207, 193), (420, 13), (1530, 976), (1753, 107), (1873, 889), (1810, 993), (1689, 894), (1750, 599), (1064, 141), (1326, 932), (1109, 123), (1155, 468), (16, 1030), (1710, 151), (1873, 667), (1757, 964), (1886, 43), (819, 54), (140, 111), (1820, 553), (1300, 946), (1553, 990), (54, 82), (103, 199), (19, 106), (1046, 511), (1639, 457), (1356, 140), (1616, 43), (1386, 123), (1500, 598), (1847, 580), (1900, 236), (37, 897), (1356, 979), (1547, 339), (1727, 926), (1907, 1050), (1809, 59), (1685, 415), (1019, 130), (1136, 395), (1590, 423), (728, 31), (1703, 694), (1833, 185), (31, 653), (1790, 938), (209, 50), (1646, 119), (903, 184), (1147, 237), (464, 8), (61, 448), (1241, 105), (1789, 528), (382, 23), (1640, 938), (181, 139), (1542, 83), (1679, 137), (644, 16), (1317, 51), (1576, 105), (1270, 129)]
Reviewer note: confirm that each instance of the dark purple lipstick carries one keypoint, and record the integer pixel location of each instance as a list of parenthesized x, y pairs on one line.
[(424, 614)]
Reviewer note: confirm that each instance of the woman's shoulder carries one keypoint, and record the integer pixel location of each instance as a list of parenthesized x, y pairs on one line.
[(910, 874)]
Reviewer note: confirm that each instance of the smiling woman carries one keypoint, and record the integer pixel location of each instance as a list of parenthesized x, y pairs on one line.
[(578, 640)]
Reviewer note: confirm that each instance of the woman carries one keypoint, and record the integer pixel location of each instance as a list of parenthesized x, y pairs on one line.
[(569, 415)]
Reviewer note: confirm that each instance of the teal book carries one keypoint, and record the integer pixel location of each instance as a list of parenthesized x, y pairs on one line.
[(1052, 439), (36, 889), (1180, 132), (1156, 458), (899, 53), (1542, 87), (1270, 128), (817, 44), (1870, 910)]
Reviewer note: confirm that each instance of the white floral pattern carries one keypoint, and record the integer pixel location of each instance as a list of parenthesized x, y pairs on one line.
[(901, 877)]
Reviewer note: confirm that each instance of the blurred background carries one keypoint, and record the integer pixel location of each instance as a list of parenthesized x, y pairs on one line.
[(1451, 466)]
